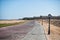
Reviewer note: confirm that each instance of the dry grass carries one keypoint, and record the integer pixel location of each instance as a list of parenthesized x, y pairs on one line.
[(5, 23), (55, 22), (11, 21), (54, 29)]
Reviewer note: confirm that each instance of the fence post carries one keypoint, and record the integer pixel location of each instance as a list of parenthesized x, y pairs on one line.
[(42, 21)]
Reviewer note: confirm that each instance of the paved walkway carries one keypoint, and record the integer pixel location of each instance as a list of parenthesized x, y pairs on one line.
[(29, 31), (16, 32), (37, 33)]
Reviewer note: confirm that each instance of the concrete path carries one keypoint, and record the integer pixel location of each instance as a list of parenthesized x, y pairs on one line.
[(37, 33)]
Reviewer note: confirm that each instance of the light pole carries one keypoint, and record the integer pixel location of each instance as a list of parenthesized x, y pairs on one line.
[(49, 27), (49, 17)]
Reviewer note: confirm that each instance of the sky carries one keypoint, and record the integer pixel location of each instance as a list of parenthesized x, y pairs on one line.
[(15, 9)]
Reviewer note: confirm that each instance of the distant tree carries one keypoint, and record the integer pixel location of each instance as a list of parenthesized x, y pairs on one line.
[(40, 17)]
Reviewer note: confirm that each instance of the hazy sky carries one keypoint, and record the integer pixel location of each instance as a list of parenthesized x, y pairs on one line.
[(14, 9)]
